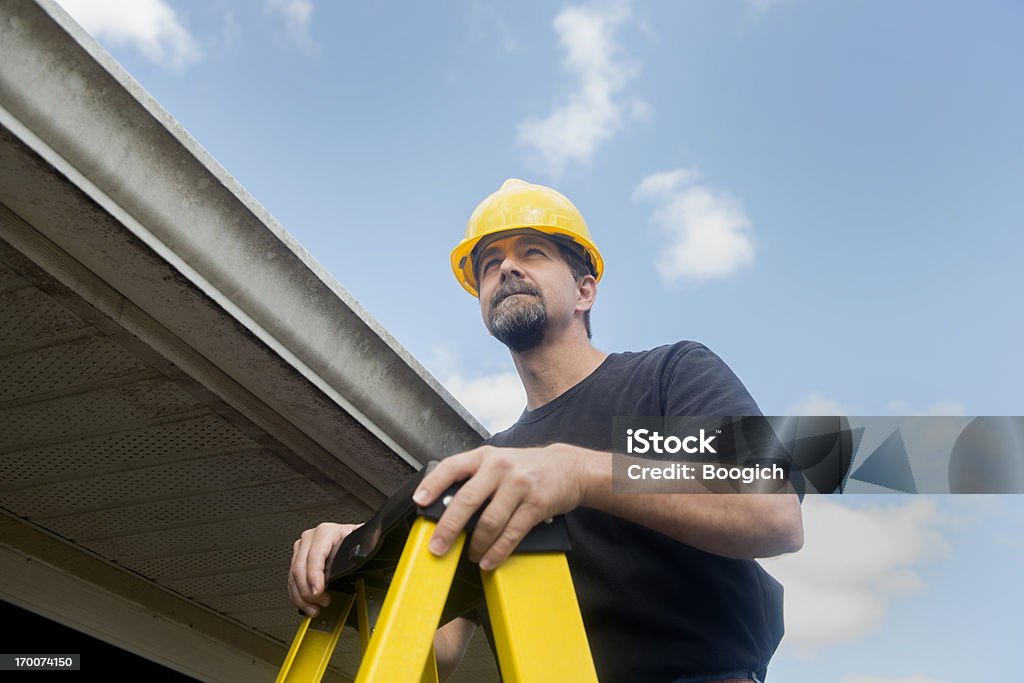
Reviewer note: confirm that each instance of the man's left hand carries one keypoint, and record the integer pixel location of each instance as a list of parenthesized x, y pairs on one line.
[(525, 487)]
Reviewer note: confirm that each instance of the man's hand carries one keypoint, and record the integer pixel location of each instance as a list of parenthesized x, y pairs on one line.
[(311, 555), (528, 485), (525, 485)]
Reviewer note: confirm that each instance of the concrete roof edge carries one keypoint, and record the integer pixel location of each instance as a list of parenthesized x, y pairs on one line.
[(172, 194)]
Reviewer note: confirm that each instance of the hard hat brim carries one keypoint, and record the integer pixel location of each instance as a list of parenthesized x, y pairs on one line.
[(462, 254)]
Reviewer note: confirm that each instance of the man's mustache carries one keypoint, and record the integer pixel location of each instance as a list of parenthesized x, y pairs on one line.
[(513, 286)]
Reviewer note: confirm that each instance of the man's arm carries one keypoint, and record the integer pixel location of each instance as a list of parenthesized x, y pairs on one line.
[(528, 485), (743, 525)]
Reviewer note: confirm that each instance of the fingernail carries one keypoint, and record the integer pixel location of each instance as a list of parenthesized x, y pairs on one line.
[(436, 546), (487, 565), (312, 611), (420, 497)]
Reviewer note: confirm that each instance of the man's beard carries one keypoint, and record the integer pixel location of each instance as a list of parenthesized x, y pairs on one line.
[(520, 325)]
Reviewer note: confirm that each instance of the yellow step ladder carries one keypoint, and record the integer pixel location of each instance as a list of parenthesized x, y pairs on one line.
[(402, 593)]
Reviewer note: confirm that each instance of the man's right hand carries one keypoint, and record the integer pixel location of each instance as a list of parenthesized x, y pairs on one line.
[(311, 555)]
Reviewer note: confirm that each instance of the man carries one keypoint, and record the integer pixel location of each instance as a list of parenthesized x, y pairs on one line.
[(666, 583)]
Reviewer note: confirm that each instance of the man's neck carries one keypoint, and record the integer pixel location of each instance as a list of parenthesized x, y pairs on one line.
[(549, 370)]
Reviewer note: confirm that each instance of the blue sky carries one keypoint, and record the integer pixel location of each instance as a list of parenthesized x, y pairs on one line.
[(827, 194)]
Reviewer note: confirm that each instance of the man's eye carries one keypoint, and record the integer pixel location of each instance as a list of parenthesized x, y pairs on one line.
[(534, 250), (489, 263)]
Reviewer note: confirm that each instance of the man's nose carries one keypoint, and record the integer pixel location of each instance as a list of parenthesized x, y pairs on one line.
[(510, 268)]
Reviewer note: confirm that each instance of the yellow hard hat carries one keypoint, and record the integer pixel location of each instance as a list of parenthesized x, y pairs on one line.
[(521, 205)]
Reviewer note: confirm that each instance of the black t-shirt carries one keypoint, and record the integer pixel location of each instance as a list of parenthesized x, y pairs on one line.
[(655, 609)]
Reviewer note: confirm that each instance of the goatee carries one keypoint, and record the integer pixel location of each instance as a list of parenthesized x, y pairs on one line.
[(519, 325)]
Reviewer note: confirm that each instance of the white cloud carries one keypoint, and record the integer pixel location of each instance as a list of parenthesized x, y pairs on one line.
[(496, 400), (854, 563), (916, 678), (150, 26), (665, 183), (297, 15), (900, 407), (813, 403), (594, 110), (705, 232)]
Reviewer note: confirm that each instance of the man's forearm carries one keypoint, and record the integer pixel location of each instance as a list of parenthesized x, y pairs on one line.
[(732, 525)]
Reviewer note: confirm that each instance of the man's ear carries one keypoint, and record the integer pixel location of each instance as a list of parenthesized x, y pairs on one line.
[(586, 293)]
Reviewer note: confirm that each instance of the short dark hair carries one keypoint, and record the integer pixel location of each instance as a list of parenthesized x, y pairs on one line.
[(579, 268)]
